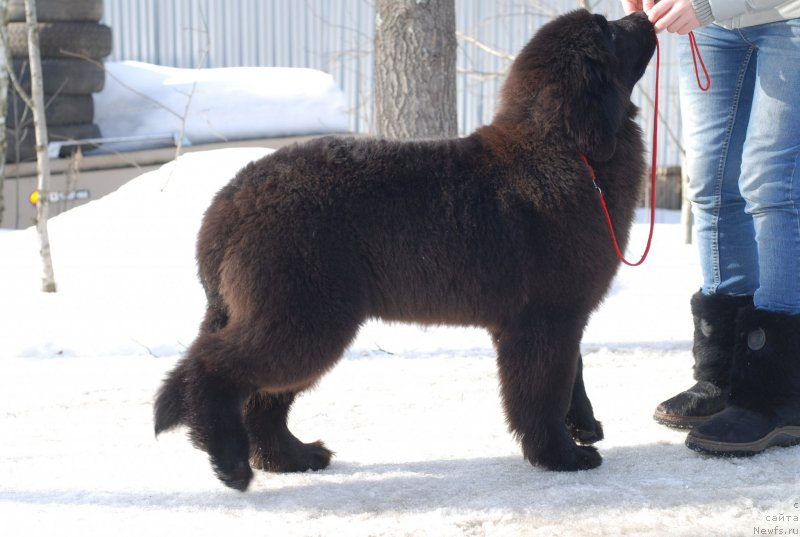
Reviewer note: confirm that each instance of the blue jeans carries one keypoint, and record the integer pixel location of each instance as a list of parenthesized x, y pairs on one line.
[(742, 141)]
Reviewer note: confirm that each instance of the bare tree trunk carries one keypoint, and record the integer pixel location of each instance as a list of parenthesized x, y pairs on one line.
[(4, 67), (415, 69), (42, 158)]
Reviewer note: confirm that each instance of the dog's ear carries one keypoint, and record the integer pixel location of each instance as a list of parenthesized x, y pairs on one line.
[(594, 109)]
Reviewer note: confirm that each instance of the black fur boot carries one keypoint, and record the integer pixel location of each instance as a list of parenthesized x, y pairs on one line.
[(763, 409), (714, 331)]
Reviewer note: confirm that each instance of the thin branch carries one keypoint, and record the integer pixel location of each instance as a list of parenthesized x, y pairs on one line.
[(182, 131), (120, 82), (484, 47), (146, 348), (132, 90), (483, 75), (42, 158), (203, 55), (381, 349)]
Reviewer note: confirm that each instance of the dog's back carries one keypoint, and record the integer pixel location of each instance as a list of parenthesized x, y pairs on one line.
[(414, 229)]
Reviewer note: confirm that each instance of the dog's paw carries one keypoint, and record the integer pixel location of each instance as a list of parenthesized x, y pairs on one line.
[(234, 473), (568, 459), (300, 458), (230, 461), (317, 457), (587, 433)]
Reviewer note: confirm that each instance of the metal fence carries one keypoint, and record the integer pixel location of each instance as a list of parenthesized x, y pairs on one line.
[(336, 36)]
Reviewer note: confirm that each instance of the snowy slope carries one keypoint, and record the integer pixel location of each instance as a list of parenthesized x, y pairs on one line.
[(413, 414)]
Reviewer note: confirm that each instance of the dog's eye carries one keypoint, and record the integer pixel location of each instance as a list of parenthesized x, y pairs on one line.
[(612, 35), (602, 22), (608, 30)]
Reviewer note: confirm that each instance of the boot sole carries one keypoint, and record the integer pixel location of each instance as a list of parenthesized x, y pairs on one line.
[(781, 437), (681, 422)]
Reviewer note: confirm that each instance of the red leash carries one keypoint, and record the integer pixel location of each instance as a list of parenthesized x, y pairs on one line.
[(695, 57), (602, 198)]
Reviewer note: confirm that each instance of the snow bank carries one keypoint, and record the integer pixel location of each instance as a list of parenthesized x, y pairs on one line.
[(220, 104)]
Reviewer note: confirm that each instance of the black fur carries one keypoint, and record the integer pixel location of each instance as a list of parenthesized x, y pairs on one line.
[(763, 407), (501, 229), (714, 335), (765, 374)]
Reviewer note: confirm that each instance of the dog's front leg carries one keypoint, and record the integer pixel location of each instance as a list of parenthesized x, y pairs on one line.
[(580, 418), (538, 361)]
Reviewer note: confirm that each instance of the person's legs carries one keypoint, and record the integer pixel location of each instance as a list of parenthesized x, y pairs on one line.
[(770, 179), (763, 406), (715, 127)]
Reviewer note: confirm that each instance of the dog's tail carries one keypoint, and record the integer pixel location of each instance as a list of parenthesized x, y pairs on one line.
[(169, 409)]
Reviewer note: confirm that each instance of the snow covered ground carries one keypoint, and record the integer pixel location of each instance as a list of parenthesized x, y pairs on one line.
[(412, 413), (215, 105)]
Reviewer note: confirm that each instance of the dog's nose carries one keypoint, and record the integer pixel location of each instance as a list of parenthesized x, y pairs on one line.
[(636, 22)]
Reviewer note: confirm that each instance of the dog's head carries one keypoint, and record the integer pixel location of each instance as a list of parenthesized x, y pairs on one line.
[(577, 74)]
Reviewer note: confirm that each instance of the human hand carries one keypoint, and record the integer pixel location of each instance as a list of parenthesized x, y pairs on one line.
[(629, 6), (674, 16)]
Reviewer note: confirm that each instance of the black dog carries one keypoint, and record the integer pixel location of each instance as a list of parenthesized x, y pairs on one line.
[(501, 229)]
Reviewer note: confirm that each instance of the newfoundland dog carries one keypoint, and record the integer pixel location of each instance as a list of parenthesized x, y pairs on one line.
[(501, 229)]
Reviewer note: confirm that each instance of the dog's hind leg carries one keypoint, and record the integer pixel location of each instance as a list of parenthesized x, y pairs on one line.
[(289, 365), (537, 360), (229, 372), (580, 418), (272, 446), (210, 404)]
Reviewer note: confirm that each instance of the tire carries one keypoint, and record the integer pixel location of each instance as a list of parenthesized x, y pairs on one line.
[(62, 40), (27, 140), (64, 76), (59, 110), (58, 10)]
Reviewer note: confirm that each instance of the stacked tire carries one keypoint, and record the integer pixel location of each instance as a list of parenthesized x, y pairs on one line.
[(72, 45)]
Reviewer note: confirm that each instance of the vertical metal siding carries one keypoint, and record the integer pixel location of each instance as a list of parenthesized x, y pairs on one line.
[(336, 36)]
